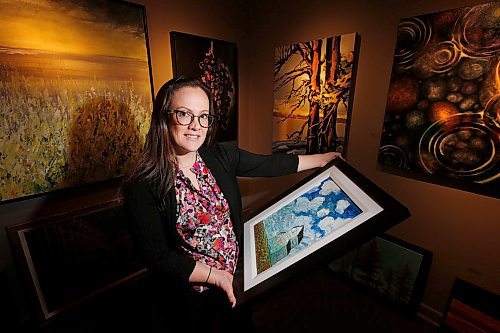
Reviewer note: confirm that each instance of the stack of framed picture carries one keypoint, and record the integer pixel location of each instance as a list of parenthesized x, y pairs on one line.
[(69, 258), (471, 309)]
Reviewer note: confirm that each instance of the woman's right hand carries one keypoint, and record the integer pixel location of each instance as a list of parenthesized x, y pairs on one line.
[(223, 280)]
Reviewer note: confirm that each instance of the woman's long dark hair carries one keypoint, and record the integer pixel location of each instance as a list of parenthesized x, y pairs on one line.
[(157, 162)]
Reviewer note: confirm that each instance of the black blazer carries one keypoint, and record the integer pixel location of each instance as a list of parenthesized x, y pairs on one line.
[(155, 230)]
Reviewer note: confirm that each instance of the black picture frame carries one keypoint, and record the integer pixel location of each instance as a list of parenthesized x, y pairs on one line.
[(390, 269), (215, 63), (471, 309), (383, 212), (66, 259)]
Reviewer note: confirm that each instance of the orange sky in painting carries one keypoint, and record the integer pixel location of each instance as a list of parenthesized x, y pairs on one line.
[(42, 25)]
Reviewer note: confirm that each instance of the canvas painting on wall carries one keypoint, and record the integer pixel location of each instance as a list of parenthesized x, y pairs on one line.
[(442, 119), (327, 212), (214, 62), (76, 92), (313, 94)]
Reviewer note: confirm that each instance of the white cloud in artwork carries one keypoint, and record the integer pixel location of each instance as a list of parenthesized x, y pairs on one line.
[(302, 220), (341, 206), (329, 224), (304, 205), (323, 212), (329, 187)]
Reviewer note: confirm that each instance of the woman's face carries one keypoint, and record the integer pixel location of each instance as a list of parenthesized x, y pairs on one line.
[(188, 138)]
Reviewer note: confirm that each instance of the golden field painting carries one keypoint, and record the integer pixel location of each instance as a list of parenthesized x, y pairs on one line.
[(76, 93)]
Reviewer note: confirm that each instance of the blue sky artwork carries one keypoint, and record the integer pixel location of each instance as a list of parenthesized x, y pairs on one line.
[(321, 210)]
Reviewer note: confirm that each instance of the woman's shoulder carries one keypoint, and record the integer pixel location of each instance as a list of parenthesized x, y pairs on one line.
[(220, 149), (138, 187)]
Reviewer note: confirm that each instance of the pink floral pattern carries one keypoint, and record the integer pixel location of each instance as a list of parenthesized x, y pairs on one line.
[(204, 221)]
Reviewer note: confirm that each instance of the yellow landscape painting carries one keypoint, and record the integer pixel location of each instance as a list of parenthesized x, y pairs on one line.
[(76, 93)]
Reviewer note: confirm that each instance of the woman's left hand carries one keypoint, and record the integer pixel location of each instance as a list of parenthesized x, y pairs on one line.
[(224, 280)]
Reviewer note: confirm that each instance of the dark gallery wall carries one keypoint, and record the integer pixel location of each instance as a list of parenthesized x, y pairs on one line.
[(461, 228)]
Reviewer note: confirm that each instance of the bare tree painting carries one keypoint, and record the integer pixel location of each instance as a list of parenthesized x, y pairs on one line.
[(313, 90)]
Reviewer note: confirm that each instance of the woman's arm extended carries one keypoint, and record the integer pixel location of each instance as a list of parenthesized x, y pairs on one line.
[(307, 162)]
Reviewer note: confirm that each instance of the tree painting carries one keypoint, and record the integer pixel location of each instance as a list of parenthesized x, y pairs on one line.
[(404, 284), (370, 265), (313, 90)]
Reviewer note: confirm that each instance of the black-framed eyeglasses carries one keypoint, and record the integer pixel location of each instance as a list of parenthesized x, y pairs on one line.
[(185, 118)]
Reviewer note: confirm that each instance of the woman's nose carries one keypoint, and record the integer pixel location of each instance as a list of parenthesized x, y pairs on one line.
[(195, 124)]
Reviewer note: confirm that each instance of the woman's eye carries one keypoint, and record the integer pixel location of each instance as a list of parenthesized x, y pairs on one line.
[(204, 116), (184, 114)]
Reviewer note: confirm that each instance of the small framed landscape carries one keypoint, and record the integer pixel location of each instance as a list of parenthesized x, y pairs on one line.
[(328, 213), (392, 270)]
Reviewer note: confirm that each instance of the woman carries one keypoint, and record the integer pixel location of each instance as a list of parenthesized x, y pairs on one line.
[(184, 205)]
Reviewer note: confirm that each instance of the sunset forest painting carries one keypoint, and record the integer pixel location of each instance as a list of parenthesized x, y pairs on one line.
[(313, 93), (442, 117), (76, 92)]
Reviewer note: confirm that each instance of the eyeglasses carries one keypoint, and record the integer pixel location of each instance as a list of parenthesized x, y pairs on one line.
[(185, 118)]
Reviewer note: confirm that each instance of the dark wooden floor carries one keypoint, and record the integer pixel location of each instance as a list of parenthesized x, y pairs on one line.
[(311, 303), (320, 300)]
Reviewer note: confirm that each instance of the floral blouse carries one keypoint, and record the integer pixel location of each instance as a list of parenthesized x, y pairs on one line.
[(204, 222)]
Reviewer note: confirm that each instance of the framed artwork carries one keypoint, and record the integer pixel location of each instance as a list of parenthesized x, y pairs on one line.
[(471, 309), (392, 270), (214, 62), (313, 94), (69, 258), (442, 118), (327, 213), (77, 93)]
